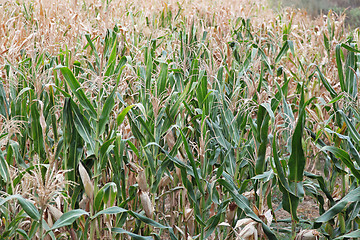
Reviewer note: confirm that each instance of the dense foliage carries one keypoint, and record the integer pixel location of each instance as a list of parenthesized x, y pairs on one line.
[(176, 121), (350, 7)]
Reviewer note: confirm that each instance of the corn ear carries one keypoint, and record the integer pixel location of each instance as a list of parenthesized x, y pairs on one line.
[(249, 232), (141, 180), (242, 222), (85, 178), (310, 234), (146, 203), (56, 213)]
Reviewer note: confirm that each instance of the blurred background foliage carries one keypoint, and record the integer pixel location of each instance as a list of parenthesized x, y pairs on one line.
[(350, 7)]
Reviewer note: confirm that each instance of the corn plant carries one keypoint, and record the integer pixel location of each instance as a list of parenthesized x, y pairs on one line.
[(177, 121)]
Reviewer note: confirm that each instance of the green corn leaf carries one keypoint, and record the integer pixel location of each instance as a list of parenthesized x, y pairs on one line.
[(110, 210), (68, 218), (47, 229), (194, 71), (176, 161), (326, 42), (4, 104), (24, 90), (36, 130), (246, 64), (4, 169), (322, 185), (122, 115), (116, 210), (71, 139), (162, 80), (352, 149), (106, 111), (102, 195), (350, 68), (290, 203), (149, 70), (297, 158), (105, 148), (350, 48), (82, 126), (213, 222), (291, 46), (352, 235), (267, 106), (282, 52), (110, 193), (135, 130), (93, 48), (279, 168), (23, 233), (290, 200), (111, 61), (67, 95), (98, 200), (132, 235), (202, 91), (340, 67), (326, 83), (344, 157), (33, 229), (147, 220), (241, 201), (146, 128), (27, 206), (334, 100), (119, 68), (53, 117), (16, 150), (264, 58), (353, 132), (262, 137), (352, 196), (153, 223), (77, 91), (192, 162)]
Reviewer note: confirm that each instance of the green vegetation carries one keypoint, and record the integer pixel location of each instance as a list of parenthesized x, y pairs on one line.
[(177, 121), (349, 7)]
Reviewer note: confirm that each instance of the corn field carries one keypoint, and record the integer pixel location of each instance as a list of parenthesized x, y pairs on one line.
[(129, 119)]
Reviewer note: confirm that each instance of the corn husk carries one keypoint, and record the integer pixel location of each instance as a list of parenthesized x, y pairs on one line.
[(191, 226), (56, 213), (188, 218), (49, 220), (249, 232), (165, 180), (242, 222), (269, 217), (85, 178), (141, 180), (83, 204), (146, 203), (188, 214), (309, 234), (136, 168)]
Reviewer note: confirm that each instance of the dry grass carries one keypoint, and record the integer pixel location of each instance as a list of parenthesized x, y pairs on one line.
[(49, 26)]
